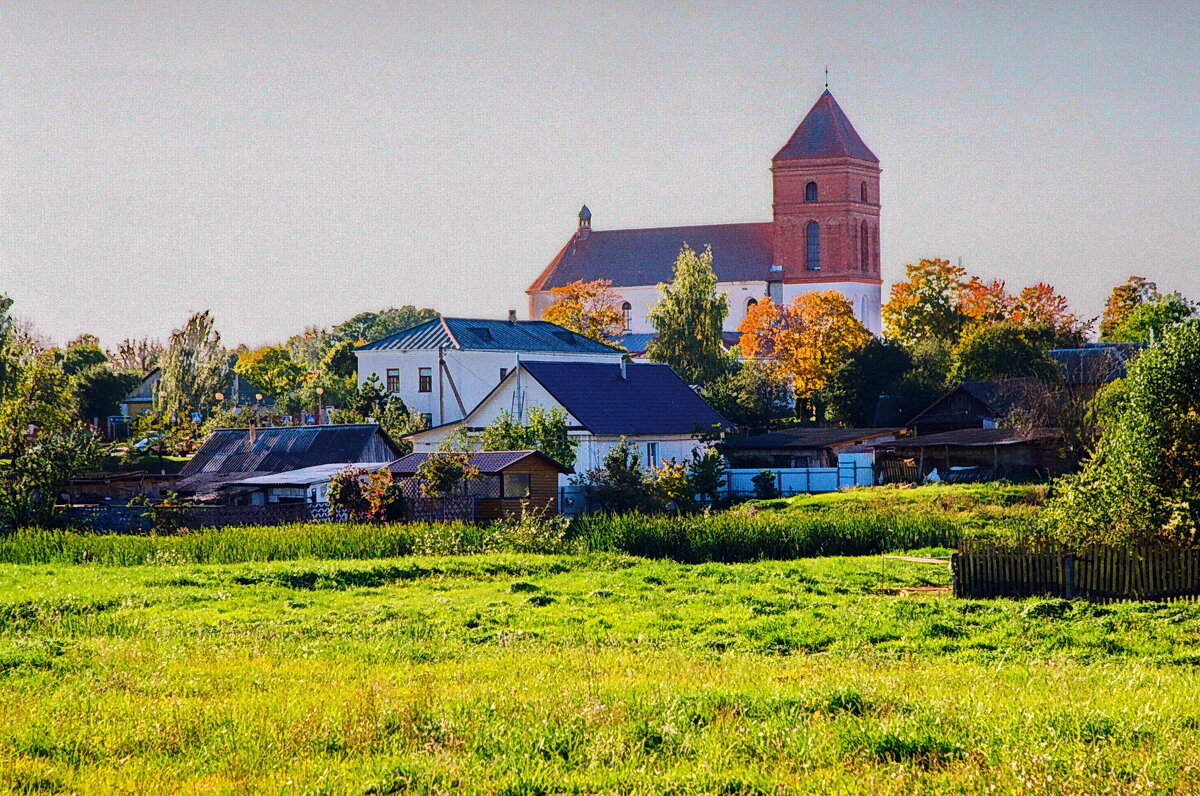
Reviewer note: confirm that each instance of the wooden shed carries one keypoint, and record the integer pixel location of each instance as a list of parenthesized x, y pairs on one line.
[(508, 480)]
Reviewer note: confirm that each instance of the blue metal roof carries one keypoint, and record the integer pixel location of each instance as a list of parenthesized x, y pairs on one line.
[(474, 334), (651, 399)]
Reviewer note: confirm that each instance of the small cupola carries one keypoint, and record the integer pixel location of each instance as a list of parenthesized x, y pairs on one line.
[(585, 221)]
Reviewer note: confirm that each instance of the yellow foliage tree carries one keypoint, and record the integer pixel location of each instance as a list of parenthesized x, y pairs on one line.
[(588, 308), (805, 340)]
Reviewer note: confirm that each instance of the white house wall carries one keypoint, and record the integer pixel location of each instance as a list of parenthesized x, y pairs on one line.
[(864, 297), (474, 373)]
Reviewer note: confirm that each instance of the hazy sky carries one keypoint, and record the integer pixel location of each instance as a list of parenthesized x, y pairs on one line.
[(294, 163)]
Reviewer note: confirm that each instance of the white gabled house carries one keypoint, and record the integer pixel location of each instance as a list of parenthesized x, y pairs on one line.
[(646, 403), (443, 368)]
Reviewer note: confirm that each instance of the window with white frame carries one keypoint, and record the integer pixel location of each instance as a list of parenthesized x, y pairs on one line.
[(652, 454)]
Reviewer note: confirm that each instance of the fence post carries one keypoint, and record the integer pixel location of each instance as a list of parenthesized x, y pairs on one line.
[(1069, 576)]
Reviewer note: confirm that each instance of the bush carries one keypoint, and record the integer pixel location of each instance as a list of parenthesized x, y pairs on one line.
[(764, 485)]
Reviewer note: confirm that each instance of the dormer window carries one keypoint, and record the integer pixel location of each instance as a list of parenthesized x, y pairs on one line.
[(810, 192)]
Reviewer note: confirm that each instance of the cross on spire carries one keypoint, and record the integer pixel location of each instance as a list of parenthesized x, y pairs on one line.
[(826, 75)]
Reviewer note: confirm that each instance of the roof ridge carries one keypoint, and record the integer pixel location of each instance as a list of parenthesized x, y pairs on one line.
[(450, 334)]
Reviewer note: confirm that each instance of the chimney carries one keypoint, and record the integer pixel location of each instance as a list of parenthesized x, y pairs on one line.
[(512, 317)]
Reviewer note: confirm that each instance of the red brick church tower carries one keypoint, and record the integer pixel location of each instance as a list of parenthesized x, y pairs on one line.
[(826, 210)]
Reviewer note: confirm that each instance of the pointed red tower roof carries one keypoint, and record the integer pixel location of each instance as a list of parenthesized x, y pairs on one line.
[(825, 133)]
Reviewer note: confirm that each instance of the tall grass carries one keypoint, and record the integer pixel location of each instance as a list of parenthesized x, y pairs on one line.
[(733, 537), (724, 537)]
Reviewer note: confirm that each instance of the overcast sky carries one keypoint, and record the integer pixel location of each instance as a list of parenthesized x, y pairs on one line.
[(285, 164)]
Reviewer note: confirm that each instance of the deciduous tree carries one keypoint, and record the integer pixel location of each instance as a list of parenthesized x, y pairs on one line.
[(1149, 321), (587, 308), (1123, 300), (545, 430), (1002, 350), (194, 367), (852, 393), (1041, 305), (806, 339), (271, 368), (689, 318), (927, 304)]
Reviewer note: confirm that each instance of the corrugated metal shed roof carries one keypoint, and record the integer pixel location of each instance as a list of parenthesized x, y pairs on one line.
[(810, 438), (229, 455), (971, 438), (651, 399), (1095, 364), (474, 334), (486, 461), (305, 476), (741, 253), (826, 132)]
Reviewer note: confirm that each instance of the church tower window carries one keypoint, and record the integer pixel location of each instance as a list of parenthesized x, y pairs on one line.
[(862, 193), (813, 240), (751, 304), (810, 192), (864, 236), (627, 314)]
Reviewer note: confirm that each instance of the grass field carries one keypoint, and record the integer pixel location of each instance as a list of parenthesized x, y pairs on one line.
[(601, 672)]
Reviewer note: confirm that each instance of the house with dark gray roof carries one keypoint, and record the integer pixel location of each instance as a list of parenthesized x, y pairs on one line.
[(648, 404), (823, 235), (806, 446), (235, 454), (442, 368), (239, 391)]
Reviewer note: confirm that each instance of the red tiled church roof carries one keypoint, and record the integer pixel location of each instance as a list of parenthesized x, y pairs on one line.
[(741, 253), (825, 133)]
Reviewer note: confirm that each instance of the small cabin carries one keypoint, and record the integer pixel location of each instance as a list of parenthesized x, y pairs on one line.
[(508, 480)]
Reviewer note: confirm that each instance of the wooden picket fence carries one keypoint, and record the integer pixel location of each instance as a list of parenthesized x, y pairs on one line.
[(1097, 573)]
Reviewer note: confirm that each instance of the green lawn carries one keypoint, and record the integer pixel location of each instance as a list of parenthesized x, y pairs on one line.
[(524, 674)]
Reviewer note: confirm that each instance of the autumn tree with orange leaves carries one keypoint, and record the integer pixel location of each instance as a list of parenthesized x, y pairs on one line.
[(804, 340), (588, 308)]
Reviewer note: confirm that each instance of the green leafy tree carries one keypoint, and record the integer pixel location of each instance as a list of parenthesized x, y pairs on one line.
[(194, 367), (38, 403), (927, 304), (669, 485), (141, 355), (619, 484), (38, 473), (82, 356), (1002, 351), (367, 327), (689, 318), (272, 369), (751, 395), (852, 393), (308, 347), (340, 361), (545, 430), (10, 359), (1142, 482), (99, 390), (1124, 299), (706, 473), (1150, 320)]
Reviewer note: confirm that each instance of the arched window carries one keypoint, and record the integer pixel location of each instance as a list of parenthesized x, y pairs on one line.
[(751, 304), (862, 193), (627, 314), (863, 316), (810, 192), (813, 238), (864, 237)]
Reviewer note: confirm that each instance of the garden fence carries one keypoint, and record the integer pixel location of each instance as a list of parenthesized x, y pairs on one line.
[(1097, 573)]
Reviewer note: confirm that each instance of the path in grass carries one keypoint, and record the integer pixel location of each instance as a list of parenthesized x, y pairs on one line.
[(604, 673)]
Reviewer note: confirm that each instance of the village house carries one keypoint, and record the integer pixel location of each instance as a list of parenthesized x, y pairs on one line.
[(236, 454), (238, 391), (443, 368), (648, 404), (509, 483), (805, 446), (824, 236)]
